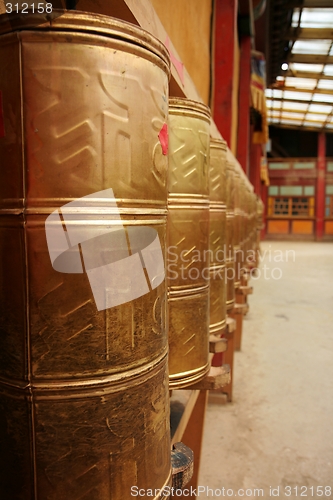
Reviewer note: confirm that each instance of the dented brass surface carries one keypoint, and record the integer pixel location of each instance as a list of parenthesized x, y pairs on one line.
[(83, 392), (188, 241)]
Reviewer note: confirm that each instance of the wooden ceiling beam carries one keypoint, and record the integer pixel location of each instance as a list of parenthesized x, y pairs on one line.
[(309, 4), (301, 127), (310, 58), (318, 4), (309, 34), (287, 110), (310, 91), (307, 91), (307, 74), (301, 101), (288, 118)]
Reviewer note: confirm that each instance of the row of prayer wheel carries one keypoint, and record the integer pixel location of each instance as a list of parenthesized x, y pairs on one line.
[(113, 253)]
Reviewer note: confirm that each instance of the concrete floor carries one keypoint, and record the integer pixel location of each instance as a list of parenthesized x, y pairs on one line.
[(278, 431)]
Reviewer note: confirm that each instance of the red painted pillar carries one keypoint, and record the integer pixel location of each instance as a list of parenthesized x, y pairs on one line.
[(224, 61), (320, 198), (243, 136)]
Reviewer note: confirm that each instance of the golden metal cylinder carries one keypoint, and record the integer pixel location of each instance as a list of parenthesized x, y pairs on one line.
[(242, 196), (83, 388), (188, 241), (259, 227), (217, 236), (237, 230), (230, 254), (253, 228)]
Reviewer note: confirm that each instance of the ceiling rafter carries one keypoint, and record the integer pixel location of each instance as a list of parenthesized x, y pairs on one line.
[(288, 118), (307, 74), (310, 4), (310, 58), (300, 101), (300, 111), (289, 88), (309, 34)]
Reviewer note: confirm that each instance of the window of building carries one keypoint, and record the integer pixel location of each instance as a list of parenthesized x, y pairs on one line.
[(291, 206), (329, 206)]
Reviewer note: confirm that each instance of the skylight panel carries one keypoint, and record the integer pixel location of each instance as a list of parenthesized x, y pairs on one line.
[(327, 98), (328, 70), (274, 114), (295, 105), (311, 47), (317, 118), (295, 18), (291, 122), (278, 94), (304, 96), (302, 83), (315, 18), (276, 104), (314, 68), (320, 108), (295, 116), (312, 124), (325, 84)]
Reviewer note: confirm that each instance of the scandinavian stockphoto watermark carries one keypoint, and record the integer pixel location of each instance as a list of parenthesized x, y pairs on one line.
[(122, 263), (207, 492), (195, 492), (192, 264)]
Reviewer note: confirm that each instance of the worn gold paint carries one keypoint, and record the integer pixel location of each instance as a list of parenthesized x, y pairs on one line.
[(188, 237)]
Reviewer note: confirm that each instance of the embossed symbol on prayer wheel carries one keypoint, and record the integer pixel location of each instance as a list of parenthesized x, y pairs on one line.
[(83, 366), (188, 241)]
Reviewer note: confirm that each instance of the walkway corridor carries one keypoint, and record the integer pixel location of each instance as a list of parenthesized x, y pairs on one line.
[(278, 431)]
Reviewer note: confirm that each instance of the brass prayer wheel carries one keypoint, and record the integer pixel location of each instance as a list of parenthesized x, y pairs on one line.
[(230, 219), (188, 241), (244, 225), (83, 211), (253, 226), (237, 230), (217, 235), (259, 227), (248, 224)]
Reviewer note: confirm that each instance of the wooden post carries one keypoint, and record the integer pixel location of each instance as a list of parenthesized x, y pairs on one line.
[(320, 198), (225, 90), (193, 436), (243, 136)]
